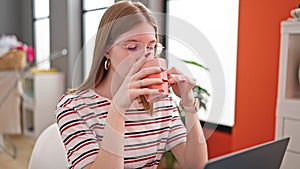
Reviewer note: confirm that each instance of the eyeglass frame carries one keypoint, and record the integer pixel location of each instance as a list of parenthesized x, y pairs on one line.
[(157, 45)]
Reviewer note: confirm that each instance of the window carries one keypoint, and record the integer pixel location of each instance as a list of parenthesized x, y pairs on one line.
[(206, 32), (41, 27), (92, 13)]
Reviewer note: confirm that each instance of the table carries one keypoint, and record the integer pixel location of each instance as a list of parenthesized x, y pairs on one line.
[(10, 115)]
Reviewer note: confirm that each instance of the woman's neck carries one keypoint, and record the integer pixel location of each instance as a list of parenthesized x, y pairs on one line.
[(104, 87), (110, 84)]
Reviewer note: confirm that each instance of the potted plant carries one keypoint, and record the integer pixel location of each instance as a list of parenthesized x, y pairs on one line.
[(168, 161)]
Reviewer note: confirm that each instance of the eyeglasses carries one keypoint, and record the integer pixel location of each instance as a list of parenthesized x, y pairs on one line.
[(155, 48)]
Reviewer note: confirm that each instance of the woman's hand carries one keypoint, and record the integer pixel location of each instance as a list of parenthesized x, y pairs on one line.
[(128, 86), (182, 86)]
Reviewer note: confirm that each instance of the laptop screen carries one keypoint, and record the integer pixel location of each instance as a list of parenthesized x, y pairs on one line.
[(263, 156)]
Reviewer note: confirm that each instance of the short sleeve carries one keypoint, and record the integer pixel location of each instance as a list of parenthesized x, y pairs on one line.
[(177, 133), (80, 142)]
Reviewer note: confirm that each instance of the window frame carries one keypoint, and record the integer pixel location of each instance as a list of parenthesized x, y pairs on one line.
[(34, 36), (85, 44)]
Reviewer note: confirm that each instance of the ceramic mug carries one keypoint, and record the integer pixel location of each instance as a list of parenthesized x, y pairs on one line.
[(157, 62)]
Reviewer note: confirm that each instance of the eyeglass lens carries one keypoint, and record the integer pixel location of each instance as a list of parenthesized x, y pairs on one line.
[(155, 48)]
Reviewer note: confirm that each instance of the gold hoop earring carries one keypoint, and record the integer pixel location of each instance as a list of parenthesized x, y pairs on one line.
[(106, 64)]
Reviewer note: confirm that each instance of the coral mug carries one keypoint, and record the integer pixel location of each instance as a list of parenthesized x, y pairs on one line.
[(161, 63)]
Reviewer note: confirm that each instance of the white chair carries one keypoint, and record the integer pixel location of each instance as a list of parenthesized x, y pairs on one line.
[(49, 151)]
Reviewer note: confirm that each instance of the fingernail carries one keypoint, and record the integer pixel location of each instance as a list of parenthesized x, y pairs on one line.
[(164, 80), (182, 81), (161, 90)]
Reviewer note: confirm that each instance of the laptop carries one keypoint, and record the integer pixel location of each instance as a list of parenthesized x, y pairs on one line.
[(268, 155)]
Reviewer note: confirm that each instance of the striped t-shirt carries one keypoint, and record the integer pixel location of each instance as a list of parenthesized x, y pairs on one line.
[(81, 118)]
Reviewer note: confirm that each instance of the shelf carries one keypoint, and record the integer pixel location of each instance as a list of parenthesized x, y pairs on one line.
[(291, 129), (28, 86), (288, 98), (291, 160), (28, 100), (41, 94), (293, 62), (28, 121), (288, 82)]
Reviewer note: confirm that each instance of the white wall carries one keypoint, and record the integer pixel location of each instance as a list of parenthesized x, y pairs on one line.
[(59, 34), (26, 21), (11, 18)]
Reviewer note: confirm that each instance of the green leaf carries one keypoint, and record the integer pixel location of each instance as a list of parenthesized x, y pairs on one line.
[(203, 105), (194, 63), (200, 90)]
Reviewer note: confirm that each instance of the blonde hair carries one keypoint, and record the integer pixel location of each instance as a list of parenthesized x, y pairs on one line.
[(111, 26)]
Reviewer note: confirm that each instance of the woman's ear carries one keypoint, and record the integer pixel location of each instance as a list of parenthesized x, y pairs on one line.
[(107, 49), (107, 55)]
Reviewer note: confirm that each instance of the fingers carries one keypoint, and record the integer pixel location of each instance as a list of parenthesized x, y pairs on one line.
[(146, 72), (175, 76), (181, 79), (149, 81), (140, 61), (145, 91), (173, 70)]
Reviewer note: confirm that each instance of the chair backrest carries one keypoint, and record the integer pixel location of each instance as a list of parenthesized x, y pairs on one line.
[(49, 151)]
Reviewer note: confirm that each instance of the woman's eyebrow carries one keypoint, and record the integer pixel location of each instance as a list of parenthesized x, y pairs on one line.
[(153, 41), (130, 40), (134, 40)]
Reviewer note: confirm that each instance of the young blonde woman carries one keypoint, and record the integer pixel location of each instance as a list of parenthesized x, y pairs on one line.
[(107, 122)]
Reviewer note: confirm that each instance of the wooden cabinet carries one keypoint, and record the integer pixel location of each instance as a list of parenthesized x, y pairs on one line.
[(41, 94), (10, 115), (288, 101)]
